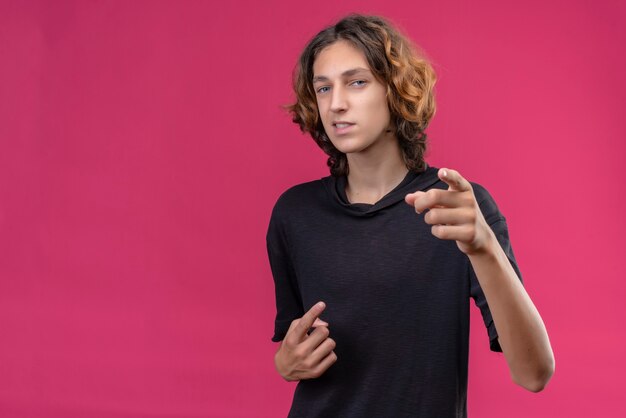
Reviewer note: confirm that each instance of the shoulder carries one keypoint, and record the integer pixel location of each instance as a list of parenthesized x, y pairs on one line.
[(292, 206), (298, 196), (299, 193), (485, 200), (487, 203)]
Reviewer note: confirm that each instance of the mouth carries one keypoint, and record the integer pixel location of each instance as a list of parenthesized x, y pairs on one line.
[(342, 127)]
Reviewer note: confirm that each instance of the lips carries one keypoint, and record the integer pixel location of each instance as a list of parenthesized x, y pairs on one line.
[(342, 127)]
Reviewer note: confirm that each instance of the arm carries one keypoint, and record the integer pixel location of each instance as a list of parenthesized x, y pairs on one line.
[(301, 356), (455, 215), (521, 332)]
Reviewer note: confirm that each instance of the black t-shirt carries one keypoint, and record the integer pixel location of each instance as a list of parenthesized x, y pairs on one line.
[(397, 298)]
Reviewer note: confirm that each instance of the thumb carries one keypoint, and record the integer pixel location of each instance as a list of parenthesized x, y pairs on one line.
[(410, 198), (318, 323)]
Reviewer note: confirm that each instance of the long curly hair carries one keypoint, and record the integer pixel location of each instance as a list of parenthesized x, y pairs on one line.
[(395, 62)]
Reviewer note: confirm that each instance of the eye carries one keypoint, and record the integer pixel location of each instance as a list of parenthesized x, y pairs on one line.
[(359, 83), (321, 89)]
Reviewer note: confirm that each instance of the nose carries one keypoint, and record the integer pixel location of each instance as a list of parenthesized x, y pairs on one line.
[(338, 101)]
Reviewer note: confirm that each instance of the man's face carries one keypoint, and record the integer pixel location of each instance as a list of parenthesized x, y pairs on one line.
[(351, 102)]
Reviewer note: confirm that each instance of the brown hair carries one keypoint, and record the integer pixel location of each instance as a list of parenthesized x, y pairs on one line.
[(395, 62)]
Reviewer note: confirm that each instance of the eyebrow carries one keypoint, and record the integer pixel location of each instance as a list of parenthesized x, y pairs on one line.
[(346, 73)]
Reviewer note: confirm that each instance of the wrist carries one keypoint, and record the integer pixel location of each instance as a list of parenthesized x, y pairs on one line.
[(278, 364), (489, 247)]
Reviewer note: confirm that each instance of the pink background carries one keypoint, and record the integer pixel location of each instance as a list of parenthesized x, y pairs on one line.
[(143, 147)]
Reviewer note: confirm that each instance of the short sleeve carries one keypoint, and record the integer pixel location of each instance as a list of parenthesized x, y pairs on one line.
[(498, 225), (288, 299)]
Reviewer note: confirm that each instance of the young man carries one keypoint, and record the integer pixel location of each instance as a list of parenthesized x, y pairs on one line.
[(388, 250)]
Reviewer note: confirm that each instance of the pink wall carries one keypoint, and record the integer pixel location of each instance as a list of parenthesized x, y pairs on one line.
[(142, 148)]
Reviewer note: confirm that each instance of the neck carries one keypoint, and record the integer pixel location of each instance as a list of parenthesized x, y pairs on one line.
[(376, 171)]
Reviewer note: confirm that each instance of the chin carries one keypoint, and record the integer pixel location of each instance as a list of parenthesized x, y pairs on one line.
[(349, 145)]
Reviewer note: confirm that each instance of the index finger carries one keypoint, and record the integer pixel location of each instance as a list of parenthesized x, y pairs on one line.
[(454, 179), (307, 320)]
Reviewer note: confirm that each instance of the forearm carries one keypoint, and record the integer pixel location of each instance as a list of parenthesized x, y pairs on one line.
[(522, 334), (455, 214)]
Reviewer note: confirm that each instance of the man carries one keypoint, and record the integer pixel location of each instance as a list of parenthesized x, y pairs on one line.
[(389, 249)]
